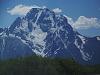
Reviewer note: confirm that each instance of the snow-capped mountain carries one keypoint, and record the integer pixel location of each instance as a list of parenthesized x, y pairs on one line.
[(43, 32)]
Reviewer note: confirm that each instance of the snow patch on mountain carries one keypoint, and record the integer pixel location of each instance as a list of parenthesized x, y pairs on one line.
[(83, 39), (86, 56), (98, 38)]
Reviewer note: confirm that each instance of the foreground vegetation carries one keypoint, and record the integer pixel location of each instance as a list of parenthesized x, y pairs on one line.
[(36, 65)]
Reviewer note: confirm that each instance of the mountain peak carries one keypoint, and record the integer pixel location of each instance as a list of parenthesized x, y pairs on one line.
[(48, 34)]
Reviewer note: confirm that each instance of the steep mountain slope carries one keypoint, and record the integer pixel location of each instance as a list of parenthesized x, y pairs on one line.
[(45, 33)]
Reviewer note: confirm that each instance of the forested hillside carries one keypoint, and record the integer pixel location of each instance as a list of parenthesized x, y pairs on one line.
[(36, 65)]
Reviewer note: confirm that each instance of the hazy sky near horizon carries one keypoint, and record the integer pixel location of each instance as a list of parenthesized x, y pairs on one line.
[(83, 14)]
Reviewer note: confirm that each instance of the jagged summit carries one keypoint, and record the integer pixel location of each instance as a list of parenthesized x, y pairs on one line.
[(43, 32)]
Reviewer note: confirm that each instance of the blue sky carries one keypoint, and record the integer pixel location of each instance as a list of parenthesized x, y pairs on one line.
[(78, 11)]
